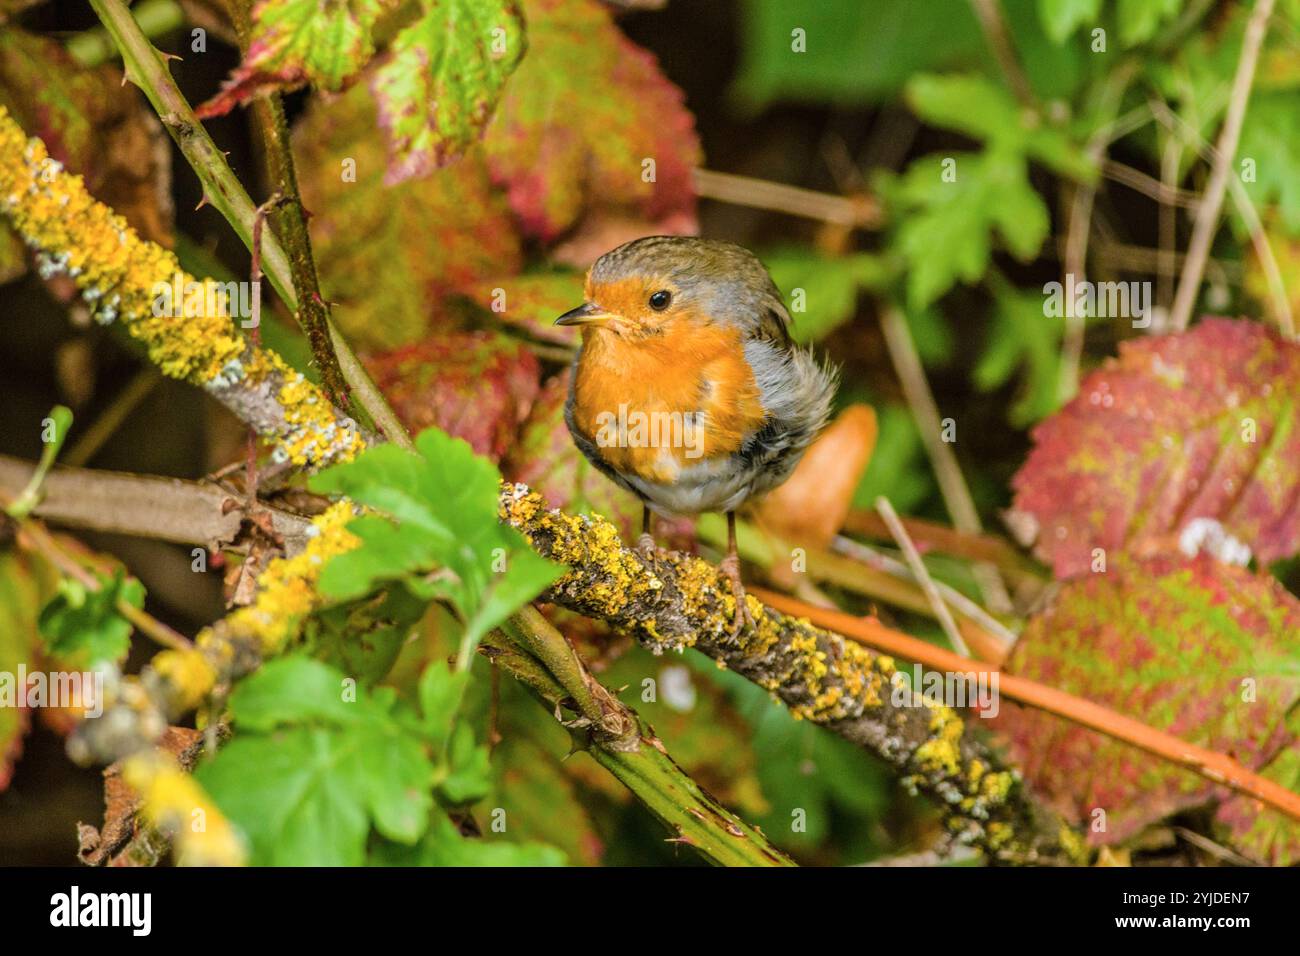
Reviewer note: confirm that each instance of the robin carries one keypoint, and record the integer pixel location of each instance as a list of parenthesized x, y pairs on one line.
[(687, 389)]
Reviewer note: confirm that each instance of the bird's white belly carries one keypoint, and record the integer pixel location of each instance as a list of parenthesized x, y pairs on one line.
[(718, 485)]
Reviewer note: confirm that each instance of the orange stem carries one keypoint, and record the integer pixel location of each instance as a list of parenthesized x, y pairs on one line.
[(1209, 764)]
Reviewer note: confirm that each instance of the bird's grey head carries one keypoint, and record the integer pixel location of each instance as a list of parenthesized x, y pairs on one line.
[(709, 277)]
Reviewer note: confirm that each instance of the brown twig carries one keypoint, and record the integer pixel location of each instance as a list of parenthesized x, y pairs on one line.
[(989, 13), (861, 212), (952, 485), (922, 575), (1207, 217)]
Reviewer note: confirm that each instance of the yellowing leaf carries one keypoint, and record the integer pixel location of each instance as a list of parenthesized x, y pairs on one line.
[(443, 79), (325, 42)]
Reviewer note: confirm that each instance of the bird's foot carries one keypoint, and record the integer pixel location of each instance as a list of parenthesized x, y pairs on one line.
[(645, 546), (730, 568)]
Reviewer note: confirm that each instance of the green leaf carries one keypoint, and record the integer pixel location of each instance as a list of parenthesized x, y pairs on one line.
[(1022, 338), (945, 235), (1062, 17), (862, 52), (1139, 19), (441, 536), (84, 627), (898, 468), (299, 41), (315, 764), (441, 691), (469, 778), (985, 110), (444, 846), (446, 72), (1270, 140)]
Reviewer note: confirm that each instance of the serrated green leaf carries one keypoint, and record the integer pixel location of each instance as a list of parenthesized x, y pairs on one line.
[(1022, 338), (469, 772), (299, 41), (442, 537), (446, 72), (83, 626), (1139, 19), (314, 764), (441, 691), (945, 235), (822, 291)]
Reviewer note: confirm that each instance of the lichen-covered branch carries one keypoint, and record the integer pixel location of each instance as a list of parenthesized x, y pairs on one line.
[(678, 601), (195, 340)]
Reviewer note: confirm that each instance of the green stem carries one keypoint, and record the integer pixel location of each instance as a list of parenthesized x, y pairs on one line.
[(156, 17), (639, 761), (147, 69), (539, 637), (61, 419)]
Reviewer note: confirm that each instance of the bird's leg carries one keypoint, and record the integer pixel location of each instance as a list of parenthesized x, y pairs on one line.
[(646, 543), (730, 567)]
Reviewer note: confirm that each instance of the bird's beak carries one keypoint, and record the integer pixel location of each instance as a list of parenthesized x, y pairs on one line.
[(585, 314)]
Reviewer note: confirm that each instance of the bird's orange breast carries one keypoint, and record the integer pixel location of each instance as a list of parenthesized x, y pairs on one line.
[(656, 405)]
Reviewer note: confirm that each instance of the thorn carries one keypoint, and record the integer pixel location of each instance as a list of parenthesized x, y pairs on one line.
[(202, 202), (170, 56)]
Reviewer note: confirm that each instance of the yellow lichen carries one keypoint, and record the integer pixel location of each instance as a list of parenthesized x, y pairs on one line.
[(189, 674), (287, 590), (173, 802), (123, 277)]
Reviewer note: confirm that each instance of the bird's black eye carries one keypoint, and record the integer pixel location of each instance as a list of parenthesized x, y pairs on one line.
[(659, 301)]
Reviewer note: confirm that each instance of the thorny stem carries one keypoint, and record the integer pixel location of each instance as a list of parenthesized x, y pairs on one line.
[(621, 742), (146, 68), (313, 313)]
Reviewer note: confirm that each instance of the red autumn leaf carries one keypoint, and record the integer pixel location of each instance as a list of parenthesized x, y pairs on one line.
[(478, 386), (388, 255), (1268, 838), (1199, 424), (585, 121), (26, 582), (1190, 647)]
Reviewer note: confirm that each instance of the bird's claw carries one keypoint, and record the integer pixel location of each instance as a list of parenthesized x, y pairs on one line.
[(645, 545), (730, 568)]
